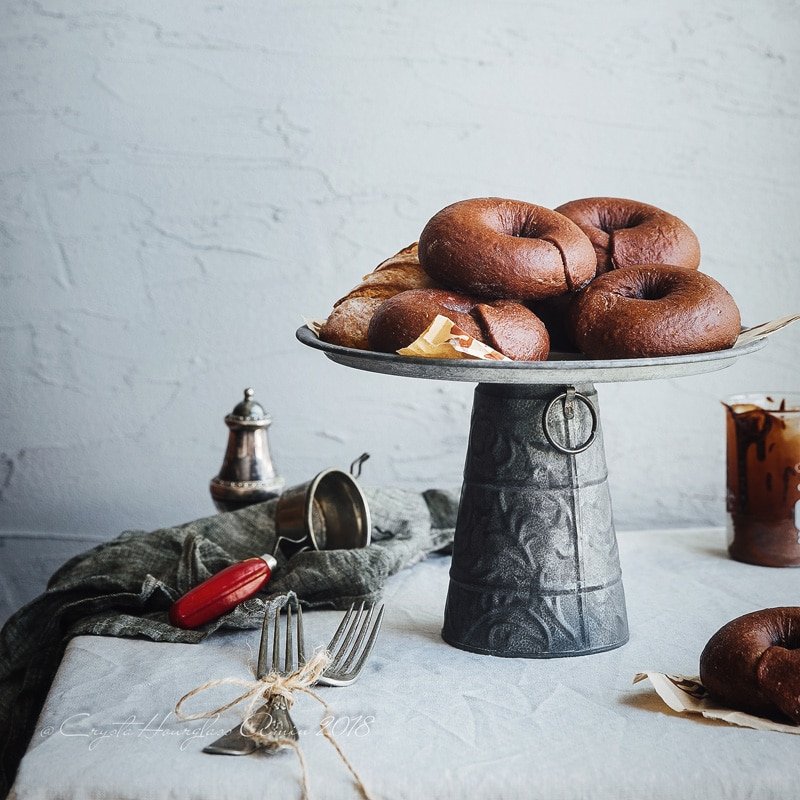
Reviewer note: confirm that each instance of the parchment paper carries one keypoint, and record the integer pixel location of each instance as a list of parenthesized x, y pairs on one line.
[(687, 694)]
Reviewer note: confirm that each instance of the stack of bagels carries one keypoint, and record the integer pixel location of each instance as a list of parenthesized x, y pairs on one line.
[(609, 277)]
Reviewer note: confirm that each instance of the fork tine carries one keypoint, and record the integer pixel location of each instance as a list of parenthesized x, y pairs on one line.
[(340, 630), (362, 633), (351, 632), (301, 645), (288, 658), (276, 642), (368, 646), (263, 644)]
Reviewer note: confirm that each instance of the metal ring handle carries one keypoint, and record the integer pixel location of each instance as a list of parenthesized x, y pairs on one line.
[(569, 411)]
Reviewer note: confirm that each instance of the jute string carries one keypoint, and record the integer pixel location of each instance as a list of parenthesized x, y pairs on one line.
[(270, 686)]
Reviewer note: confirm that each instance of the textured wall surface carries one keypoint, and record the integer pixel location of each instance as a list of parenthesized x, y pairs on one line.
[(180, 182)]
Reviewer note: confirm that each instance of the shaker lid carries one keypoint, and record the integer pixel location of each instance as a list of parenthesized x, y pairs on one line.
[(249, 410)]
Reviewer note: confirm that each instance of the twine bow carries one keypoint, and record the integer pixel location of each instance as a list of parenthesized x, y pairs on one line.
[(273, 685)]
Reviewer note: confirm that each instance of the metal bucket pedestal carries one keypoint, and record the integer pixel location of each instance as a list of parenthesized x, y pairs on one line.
[(535, 569)]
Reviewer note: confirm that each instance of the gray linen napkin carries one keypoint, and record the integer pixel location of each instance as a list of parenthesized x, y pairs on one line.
[(125, 588)]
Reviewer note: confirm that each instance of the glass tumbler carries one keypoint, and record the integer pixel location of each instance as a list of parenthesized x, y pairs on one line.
[(763, 471)]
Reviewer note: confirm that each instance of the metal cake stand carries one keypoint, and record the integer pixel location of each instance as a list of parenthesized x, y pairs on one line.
[(535, 570)]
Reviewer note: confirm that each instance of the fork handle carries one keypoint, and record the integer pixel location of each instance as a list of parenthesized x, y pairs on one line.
[(221, 592), (280, 727)]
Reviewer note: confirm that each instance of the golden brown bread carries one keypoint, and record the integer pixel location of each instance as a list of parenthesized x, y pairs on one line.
[(348, 322), (347, 325), (505, 249), (653, 310), (753, 663), (625, 233), (505, 325)]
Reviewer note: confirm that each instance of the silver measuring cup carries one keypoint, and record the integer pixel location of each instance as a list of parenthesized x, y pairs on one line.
[(329, 512)]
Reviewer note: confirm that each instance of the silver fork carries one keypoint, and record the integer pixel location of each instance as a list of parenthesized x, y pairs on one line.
[(273, 718), (348, 658)]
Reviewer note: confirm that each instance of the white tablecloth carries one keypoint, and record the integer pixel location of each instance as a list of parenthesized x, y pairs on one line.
[(429, 721)]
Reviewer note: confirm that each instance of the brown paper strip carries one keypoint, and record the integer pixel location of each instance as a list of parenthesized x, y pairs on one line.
[(444, 339), (314, 325), (764, 329), (687, 694), (441, 339)]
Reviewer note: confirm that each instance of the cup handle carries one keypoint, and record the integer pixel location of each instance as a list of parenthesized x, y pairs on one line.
[(291, 547)]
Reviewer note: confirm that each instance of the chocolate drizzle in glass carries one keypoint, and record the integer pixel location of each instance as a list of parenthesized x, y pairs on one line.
[(763, 476)]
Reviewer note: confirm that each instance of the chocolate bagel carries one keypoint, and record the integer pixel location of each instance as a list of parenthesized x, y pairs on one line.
[(653, 310), (626, 232), (494, 248), (753, 663), (502, 324)]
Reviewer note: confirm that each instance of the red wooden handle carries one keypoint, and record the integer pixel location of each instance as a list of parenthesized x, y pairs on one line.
[(221, 592)]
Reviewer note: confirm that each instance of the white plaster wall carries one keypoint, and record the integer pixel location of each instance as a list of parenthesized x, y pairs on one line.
[(181, 181)]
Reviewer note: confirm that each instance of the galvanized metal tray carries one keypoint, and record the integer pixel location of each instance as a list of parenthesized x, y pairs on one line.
[(560, 369)]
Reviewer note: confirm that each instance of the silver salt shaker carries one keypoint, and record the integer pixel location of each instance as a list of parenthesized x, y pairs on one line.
[(247, 474)]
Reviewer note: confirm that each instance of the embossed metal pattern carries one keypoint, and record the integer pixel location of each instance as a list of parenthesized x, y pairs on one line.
[(535, 570)]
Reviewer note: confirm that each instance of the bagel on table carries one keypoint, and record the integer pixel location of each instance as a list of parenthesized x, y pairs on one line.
[(753, 663)]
